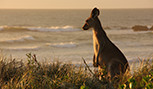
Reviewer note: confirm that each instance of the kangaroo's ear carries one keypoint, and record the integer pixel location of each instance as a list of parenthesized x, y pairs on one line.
[(95, 12)]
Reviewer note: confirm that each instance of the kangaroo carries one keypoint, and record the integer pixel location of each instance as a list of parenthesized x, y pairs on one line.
[(105, 52)]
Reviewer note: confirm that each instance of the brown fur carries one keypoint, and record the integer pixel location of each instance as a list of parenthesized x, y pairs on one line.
[(105, 52)]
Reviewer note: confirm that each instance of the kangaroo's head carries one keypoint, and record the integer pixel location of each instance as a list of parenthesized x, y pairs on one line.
[(91, 21)]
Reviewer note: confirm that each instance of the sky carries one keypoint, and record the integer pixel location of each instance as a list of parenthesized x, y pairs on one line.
[(74, 4)]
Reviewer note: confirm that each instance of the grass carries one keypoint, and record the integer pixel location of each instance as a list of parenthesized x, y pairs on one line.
[(35, 75)]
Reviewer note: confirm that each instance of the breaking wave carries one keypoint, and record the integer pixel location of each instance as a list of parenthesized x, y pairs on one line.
[(45, 29), (62, 45), (22, 48), (21, 38), (66, 28), (1, 28)]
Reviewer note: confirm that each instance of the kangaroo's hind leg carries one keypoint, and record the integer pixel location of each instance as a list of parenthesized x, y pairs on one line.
[(95, 64), (116, 71)]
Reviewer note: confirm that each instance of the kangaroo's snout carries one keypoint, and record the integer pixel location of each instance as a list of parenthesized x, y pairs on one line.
[(85, 26)]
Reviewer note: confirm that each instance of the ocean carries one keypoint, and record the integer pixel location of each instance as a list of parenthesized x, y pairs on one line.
[(56, 34)]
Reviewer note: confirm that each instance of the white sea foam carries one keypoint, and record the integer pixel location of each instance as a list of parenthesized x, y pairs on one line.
[(54, 29), (68, 28), (46, 29), (21, 38), (62, 45), (1, 28), (22, 48), (128, 31)]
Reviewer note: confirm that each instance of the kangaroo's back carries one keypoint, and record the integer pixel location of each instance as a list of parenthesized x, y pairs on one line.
[(112, 54)]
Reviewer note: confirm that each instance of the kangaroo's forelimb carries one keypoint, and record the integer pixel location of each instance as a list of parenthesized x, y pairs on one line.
[(100, 48)]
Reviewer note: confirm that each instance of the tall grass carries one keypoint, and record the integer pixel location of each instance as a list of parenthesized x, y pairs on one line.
[(35, 75)]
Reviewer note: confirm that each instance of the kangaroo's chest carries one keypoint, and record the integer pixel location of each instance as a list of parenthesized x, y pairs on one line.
[(95, 45)]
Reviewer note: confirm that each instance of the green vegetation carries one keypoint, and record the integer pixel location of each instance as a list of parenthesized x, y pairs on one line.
[(35, 75)]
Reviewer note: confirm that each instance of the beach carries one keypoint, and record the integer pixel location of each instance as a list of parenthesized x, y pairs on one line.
[(57, 35)]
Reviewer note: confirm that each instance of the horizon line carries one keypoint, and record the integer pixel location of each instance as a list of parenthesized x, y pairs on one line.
[(66, 8)]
